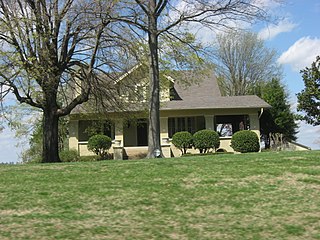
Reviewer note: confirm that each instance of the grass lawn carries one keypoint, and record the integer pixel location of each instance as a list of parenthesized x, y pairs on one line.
[(245, 196)]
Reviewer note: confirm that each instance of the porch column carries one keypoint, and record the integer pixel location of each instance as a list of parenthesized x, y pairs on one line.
[(74, 134), (255, 124), (164, 135), (118, 137), (164, 127), (209, 119)]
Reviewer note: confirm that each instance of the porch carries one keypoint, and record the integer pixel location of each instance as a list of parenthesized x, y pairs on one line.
[(130, 138)]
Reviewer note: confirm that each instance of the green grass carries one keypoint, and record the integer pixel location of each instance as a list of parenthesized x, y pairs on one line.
[(243, 196)]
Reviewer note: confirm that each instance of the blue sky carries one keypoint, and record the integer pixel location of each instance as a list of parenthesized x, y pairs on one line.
[(296, 38)]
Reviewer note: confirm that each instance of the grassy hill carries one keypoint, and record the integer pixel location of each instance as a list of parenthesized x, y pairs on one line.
[(245, 196)]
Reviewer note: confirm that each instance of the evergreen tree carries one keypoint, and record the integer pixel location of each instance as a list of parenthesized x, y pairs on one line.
[(280, 118)]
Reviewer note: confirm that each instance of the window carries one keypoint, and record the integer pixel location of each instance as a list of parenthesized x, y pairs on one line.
[(88, 128), (224, 129), (226, 126), (190, 124)]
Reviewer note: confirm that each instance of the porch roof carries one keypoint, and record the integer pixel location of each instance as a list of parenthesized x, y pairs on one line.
[(249, 101)]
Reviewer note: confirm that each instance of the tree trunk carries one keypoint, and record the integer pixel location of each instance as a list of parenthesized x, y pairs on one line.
[(50, 152), (154, 146)]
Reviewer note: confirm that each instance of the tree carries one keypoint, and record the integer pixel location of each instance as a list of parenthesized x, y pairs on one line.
[(35, 130), (279, 119), (48, 48), (156, 18), (309, 97), (243, 63)]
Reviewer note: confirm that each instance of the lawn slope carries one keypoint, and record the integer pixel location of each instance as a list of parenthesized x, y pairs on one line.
[(243, 196)]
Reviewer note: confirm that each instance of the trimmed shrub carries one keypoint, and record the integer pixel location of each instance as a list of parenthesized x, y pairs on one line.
[(245, 141), (182, 141), (100, 144), (206, 139), (71, 155)]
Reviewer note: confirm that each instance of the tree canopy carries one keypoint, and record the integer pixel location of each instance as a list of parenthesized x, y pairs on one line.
[(309, 97), (51, 56)]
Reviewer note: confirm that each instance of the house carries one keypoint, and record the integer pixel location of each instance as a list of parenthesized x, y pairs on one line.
[(183, 108)]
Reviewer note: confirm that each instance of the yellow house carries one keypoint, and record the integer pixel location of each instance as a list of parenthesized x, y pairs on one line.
[(183, 108)]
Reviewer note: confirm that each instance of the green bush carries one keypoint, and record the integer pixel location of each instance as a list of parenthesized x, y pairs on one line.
[(206, 139), (182, 141), (71, 155), (245, 141), (100, 144)]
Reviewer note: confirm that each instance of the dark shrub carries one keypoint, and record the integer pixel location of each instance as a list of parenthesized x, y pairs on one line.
[(100, 144), (206, 139), (245, 141), (71, 155), (182, 141)]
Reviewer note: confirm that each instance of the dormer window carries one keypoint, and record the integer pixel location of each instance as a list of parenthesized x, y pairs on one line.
[(174, 96)]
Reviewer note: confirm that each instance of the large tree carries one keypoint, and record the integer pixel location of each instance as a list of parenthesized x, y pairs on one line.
[(309, 97), (48, 47), (155, 18), (279, 119), (244, 62)]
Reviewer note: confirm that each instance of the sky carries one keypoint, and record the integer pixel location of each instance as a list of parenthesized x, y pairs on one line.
[(296, 38)]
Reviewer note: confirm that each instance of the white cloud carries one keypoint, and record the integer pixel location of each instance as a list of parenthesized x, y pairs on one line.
[(272, 31), (301, 54)]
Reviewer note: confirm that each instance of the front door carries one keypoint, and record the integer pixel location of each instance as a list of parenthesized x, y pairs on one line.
[(142, 132)]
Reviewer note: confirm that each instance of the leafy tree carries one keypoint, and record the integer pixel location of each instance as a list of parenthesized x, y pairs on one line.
[(49, 47), (244, 63), (309, 97), (34, 151), (280, 118), (155, 18)]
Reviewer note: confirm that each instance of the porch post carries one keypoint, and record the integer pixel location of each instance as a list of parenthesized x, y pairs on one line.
[(164, 127), (209, 119), (255, 124), (74, 135), (118, 143), (164, 135)]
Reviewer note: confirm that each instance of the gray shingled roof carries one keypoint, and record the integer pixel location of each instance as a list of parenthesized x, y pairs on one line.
[(206, 95)]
